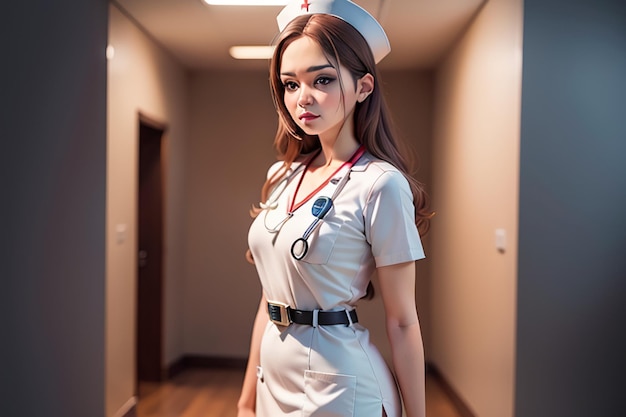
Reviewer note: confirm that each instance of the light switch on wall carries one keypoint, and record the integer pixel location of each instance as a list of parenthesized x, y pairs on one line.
[(501, 240), (120, 233)]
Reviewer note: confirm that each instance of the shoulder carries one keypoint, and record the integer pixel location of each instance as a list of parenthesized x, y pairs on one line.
[(380, 175)]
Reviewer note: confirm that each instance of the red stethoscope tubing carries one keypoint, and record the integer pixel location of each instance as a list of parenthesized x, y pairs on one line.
[(349, 163), (300, 246)]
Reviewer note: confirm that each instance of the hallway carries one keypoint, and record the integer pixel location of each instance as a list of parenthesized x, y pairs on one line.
[(67, 327)]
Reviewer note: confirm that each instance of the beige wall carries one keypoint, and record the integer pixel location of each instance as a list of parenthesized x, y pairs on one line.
[(141, 78), (232, 125), (475, 191)]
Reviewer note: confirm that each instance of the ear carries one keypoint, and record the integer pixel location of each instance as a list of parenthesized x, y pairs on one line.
[(364, 87)]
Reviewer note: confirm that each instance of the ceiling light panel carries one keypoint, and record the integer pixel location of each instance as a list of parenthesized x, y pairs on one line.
[(251, 52)]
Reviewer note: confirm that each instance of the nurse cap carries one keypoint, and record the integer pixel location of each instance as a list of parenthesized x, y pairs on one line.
[(345, 10)]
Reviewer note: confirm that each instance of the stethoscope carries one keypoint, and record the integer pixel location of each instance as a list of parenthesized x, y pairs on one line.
[(321, 206)]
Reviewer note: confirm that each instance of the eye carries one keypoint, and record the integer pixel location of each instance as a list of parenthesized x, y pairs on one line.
[(324, 80), (290, 86)]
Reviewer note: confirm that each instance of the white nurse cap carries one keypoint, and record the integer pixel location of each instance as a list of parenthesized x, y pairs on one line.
[(346, 10)]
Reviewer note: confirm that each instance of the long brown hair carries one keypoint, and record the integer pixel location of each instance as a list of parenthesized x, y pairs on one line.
[(343, 46)]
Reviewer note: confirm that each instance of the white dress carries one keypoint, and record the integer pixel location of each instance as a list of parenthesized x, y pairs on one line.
[(331, 371)]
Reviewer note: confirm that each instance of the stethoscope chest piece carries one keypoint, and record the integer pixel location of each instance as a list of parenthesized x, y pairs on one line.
[(299, 248), (320, 207)]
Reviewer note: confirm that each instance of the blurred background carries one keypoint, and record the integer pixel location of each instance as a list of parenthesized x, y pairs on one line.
[(145, 163)]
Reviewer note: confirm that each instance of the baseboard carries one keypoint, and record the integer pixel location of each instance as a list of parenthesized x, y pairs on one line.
[(129, 409), (202, 361), (174, 368), (456, 399)]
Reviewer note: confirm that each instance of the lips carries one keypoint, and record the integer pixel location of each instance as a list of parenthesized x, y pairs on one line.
[(307, 116)]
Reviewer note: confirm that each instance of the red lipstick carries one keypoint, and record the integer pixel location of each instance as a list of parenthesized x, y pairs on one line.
[(306, 116)]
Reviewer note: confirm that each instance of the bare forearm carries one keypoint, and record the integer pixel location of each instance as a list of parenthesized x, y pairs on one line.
[(247, 398), (397, 286), (408, 361)]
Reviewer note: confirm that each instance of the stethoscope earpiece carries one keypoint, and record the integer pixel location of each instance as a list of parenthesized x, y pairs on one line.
[(270, 206)]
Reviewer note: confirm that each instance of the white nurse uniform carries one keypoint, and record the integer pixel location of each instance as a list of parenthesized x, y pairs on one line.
[(332, 370)]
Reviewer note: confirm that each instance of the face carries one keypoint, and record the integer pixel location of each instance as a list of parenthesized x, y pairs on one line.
[(314, 95)]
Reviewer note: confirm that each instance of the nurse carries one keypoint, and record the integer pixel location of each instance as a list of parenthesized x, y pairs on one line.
[(336, 208)]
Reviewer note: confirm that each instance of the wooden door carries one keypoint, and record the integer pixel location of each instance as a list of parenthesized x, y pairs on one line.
[(150, 254)]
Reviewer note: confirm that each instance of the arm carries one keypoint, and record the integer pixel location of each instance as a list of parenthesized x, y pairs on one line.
[(397, 287), (247, 399)]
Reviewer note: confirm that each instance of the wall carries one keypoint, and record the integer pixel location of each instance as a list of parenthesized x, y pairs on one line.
[(572, 204), (52, 168), (475, 191), (141, 78), (232, 127)]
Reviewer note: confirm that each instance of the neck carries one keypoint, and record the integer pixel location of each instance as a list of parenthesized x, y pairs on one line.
[(338, 147), (336, 154)]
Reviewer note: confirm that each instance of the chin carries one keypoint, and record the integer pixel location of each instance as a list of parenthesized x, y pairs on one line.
[(309, 131)]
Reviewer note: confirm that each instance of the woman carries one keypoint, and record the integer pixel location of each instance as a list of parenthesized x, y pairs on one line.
[(338, 207)]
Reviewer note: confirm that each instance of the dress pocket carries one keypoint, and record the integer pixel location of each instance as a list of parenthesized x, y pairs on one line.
[(321, 243), (328, 395)]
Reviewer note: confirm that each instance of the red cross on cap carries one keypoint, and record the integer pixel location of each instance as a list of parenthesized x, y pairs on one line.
[(305, 5)]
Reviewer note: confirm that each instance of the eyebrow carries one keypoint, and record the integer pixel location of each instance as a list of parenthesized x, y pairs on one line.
[(310, 69)]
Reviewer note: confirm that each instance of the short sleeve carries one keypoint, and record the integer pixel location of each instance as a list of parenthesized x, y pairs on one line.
[(389, 216)]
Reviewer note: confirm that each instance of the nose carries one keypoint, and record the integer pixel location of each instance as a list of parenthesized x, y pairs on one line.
[(305, 98)]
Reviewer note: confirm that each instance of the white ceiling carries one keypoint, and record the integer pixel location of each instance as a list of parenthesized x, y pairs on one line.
[(199, 36)]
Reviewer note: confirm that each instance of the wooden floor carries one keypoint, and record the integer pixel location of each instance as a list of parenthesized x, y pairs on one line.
[(214, 393)]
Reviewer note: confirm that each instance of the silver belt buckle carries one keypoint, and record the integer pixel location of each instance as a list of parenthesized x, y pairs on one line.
[(278, 313)]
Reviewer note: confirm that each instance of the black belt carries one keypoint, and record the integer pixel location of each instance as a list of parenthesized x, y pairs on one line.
[(284, 315)]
